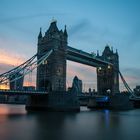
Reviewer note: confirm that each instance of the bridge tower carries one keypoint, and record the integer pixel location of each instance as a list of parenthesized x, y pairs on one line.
[(108, 76), (51, 75)]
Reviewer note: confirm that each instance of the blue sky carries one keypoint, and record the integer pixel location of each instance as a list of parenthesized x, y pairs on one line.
[(91, 25)]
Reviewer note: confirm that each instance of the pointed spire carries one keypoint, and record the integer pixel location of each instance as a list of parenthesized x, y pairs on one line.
[(97, 53), (65, 31), (112, 48), (53, 20), (116, 51), (40, 34), (53, 26)]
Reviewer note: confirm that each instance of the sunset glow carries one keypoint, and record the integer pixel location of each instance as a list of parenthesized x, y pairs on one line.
[(113, 26), (9, 59)]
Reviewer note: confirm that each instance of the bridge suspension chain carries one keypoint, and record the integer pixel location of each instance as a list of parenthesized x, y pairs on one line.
[(23, 69), (127, 86), (5, 76)]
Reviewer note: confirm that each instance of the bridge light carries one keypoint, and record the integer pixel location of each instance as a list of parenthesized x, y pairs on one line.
[(99, 69), (109, 67), (108, 91), (44, 62)]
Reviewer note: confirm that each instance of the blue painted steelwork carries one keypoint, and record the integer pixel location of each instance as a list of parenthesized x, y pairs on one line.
[(102, 99)]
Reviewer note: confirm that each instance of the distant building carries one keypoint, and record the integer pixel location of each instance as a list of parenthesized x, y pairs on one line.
[(78, 84), (137, 90), (28, 88), (16, 84)]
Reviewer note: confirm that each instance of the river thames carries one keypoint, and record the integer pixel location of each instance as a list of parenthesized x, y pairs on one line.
[(17, 124)]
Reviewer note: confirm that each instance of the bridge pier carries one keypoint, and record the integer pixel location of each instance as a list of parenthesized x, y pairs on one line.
[(54, 101), (118, 101), (51, 75), (37, 103), (136, 102)]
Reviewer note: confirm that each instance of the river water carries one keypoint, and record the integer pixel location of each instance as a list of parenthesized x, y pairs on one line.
[(17, 124)]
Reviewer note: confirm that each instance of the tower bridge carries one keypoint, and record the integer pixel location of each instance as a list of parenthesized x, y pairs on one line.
[(52, 55)]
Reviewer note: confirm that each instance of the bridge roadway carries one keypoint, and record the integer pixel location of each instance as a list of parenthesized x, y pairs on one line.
[(85, 58), (21, 92), (99, 98), (36, 93)]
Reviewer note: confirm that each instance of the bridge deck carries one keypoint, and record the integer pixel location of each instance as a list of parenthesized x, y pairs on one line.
[(21, 92)]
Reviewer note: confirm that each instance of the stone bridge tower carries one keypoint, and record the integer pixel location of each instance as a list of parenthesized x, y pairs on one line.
[(51, 76), (108, 76)]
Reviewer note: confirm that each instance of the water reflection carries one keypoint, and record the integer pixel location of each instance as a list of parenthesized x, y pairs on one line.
[(12, 109), (17, 124)]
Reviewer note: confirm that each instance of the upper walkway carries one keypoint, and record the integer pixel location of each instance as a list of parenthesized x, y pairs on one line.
[(85, 58)]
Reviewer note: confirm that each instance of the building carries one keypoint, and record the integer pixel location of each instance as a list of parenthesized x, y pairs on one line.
[(16, 84), (51, 76), (137, 90), (78, 84), (108, 76)]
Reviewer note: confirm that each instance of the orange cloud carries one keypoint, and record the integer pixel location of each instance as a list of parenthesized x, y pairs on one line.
[(9, 58), (15, 52)]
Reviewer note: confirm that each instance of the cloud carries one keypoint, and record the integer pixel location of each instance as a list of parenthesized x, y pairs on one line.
[(134, 72), (5, 67), (81, 26), (11, 47), (28, 17), (9, 58)]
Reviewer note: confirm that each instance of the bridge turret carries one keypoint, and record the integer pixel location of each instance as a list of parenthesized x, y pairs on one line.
[(108, 76), (65, 32), (52, 75), (40, 34), (97, 53), (53, 27)]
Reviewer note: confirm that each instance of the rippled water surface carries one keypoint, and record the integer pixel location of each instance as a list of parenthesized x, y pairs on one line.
[(17, 124)]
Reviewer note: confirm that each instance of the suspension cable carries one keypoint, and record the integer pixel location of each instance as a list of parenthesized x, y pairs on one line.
[(126, 85), (24, 68)]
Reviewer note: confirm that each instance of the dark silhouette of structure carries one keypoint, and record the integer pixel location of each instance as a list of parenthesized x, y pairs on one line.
[(137, 90), (16, 84), (78, 84), (108, 76), (51, 75), (52, 53)]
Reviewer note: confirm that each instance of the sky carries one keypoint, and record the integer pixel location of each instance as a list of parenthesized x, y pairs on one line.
[(91, 25)]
